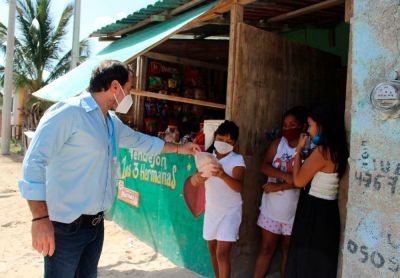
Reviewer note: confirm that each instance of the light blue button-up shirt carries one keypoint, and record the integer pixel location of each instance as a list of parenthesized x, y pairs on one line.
[(69, 163)]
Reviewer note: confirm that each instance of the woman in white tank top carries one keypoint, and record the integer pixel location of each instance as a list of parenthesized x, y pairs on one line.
[(316, 231), (279, 200)]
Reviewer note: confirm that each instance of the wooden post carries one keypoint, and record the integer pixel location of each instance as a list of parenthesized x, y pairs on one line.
[(236, 18), (348, 13), (141, 73)]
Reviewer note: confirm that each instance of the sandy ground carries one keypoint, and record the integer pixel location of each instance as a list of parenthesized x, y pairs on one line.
[(123, 254)]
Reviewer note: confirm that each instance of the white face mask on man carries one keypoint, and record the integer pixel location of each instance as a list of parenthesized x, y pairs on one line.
[(125, 104), (222, 147)]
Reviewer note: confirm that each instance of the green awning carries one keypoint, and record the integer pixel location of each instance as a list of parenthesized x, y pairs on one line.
[(161, 6), (77, 80)]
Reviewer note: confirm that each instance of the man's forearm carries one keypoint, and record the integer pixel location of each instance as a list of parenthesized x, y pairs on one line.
[(170, 148), (38, 208)]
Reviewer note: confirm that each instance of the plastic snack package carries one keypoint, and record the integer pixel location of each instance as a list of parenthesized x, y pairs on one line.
[(206, 163)]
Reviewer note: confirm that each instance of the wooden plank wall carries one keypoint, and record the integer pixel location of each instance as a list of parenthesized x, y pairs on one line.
[(272, 74), (236, 15)]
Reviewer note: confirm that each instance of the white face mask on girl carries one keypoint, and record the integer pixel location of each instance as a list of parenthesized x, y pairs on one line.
[(125, 104), (222, 147)]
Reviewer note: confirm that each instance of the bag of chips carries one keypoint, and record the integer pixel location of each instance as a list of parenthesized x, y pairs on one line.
[(206, 164)]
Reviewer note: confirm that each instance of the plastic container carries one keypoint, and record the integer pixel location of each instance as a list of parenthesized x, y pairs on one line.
[(150, 125), (171, 134), (199, 93)]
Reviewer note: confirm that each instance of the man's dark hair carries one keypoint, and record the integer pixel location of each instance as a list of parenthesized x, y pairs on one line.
[(105, 73)]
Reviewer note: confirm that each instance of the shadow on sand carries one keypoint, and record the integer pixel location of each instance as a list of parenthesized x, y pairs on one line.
[(109, 271)]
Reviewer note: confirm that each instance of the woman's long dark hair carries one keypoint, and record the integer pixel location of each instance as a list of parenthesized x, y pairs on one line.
[(332, 136)]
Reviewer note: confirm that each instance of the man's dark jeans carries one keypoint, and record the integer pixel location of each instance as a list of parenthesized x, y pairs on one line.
[(78, 249)]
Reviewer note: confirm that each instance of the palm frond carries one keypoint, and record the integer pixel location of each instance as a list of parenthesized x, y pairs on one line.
[(2, 75), (3, 38), (21, 81), (63, 66), (25, 16), (38, 47), (60, 31), (43, 33)]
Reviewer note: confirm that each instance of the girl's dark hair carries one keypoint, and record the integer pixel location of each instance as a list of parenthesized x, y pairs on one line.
[(105, 73), (299, 112), (332, 135), (226, 128)]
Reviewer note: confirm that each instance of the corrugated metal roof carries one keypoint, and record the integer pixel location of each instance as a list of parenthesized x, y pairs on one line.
[(138, 16)]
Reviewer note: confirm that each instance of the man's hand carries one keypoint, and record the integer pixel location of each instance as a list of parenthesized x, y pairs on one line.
[(187, 148), (43, 237)]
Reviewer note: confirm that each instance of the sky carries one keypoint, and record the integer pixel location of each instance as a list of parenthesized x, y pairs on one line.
[(94, 15)]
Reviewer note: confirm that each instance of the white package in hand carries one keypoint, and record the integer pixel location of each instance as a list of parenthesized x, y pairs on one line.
[(208, 170), (206, 163)]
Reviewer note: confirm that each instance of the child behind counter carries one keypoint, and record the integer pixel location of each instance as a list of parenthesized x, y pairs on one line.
[(223, 210)]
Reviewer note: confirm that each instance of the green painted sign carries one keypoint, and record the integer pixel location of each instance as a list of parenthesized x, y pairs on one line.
[(151, 204)]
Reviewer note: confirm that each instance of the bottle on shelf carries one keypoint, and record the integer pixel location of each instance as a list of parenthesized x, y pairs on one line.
[(171, 134)]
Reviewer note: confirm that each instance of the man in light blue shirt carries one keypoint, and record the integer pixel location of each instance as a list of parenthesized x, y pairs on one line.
[(69, 171)]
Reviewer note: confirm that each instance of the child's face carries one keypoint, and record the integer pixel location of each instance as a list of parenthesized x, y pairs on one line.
[(225, 138), (290, 122)]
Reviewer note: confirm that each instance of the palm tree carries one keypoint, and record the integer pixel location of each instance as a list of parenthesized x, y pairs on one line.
[(39, 55), (3, 38)]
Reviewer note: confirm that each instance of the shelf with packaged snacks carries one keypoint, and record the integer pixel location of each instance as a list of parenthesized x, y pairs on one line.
[(178, 99)]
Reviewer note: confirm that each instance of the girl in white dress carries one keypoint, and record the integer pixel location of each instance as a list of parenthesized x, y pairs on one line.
[(223, 211)]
